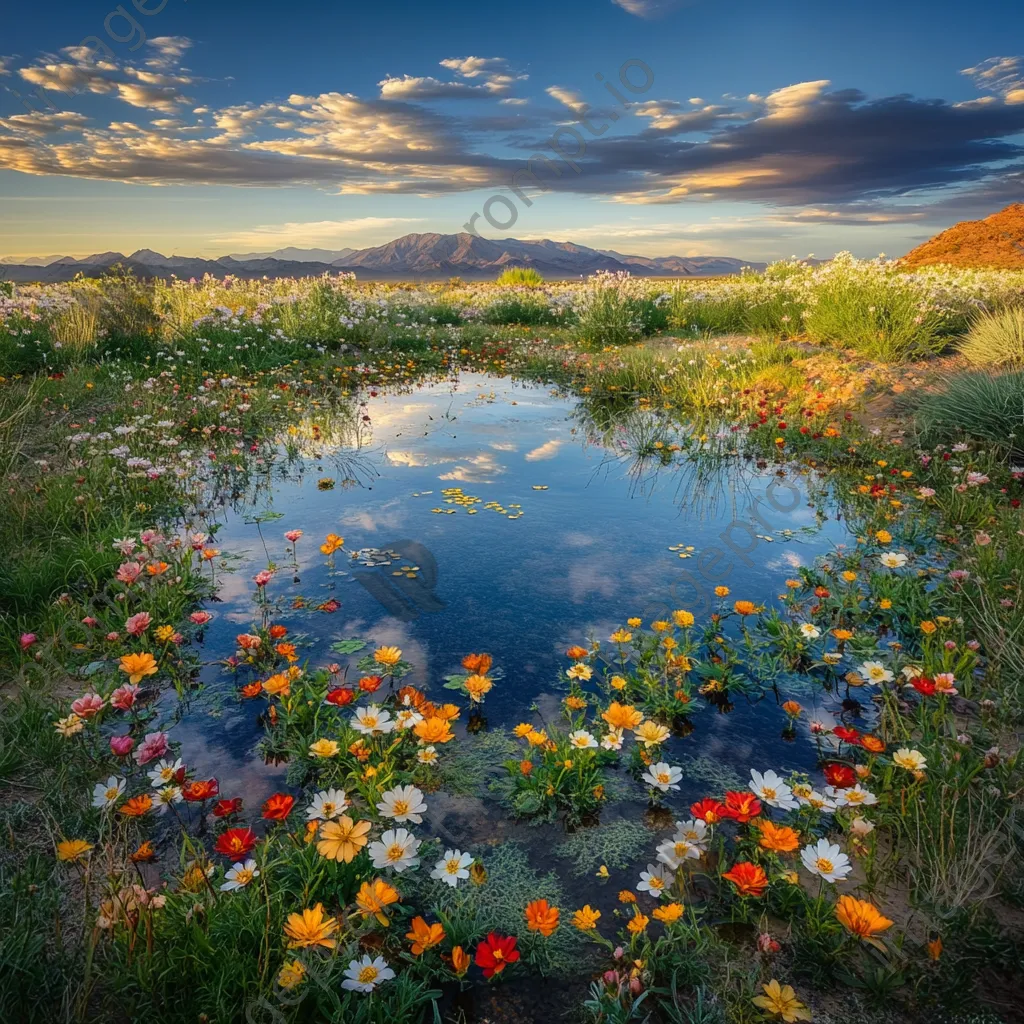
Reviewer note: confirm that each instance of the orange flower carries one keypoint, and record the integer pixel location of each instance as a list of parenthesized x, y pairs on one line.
[(477, 663), (279, 685), (576, 652), (460, 960), (541, 917), (387, 656), (749, 879), (276, 632), (477, 686), (144, 853), (433, 730), (311, 928), (251, 690), (137, 666), (424, 936), (638, 922), (374, 896), (778, 838), (331, 544), (622, 716), (157, 568), (873, 744), (137, 806), (744, 607), (861, 918), (668, 914), (287, 651)]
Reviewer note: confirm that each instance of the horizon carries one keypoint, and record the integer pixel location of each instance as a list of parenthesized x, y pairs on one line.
[(677, 129)]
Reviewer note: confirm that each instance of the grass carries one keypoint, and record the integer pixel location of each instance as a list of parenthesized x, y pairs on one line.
[(983, 404), (996, 339)]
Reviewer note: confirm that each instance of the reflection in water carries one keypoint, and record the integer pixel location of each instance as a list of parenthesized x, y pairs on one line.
[(404, 594)]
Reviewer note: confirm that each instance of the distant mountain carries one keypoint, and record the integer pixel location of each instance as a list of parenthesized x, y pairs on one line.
[(997, 242), (429, 256)]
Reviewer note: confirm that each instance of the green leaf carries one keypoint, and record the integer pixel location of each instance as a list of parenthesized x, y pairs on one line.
[(350, 646)]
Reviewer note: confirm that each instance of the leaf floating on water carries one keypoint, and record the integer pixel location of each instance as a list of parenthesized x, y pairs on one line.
[(540, 487), (350, 646)]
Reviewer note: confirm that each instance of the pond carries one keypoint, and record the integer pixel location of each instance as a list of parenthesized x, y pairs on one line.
[(494, 515)]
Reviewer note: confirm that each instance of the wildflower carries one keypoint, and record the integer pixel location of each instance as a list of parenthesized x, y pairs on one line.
[(693, 830), (324, 748), (138, 666), (708, 810), (893, 559), (576, 652), (682, 618), (278, 806), (861, 918), (396, 849), (792, 708), (854, 796), (310, 928), (403, 803), (650, 734), (541, 917), (136, 806), (165, 772), (225, 808), (167, 796), (621, 636), (387, 656), (638, 922), (586, 918), (662, 776), (809, 630), (740, 806), (71, 851), (580, 671), (495, 953), (424, 936), (433, 730), (654, 881), (674, 852), (427, 755), (772, 790), (291, 975), (668, 914), (478, 686), (617, 683), (452, 867), (69, 726), (26, 640), (331, 544), (846, 734), (137, 624), (477, 663), (749, 879), (582, 740), (781, 1001), (373, 897), (372, 719), (124, 697), (143, 854), (876, 672), (778, 838), (613, 739), (239, 876), (873, 744), (744, 607), (838, 776), (340, 696), (622, 716), (327, 804), (121, 746), (460, 961), (826, 860), (341, 840), (199, 790)]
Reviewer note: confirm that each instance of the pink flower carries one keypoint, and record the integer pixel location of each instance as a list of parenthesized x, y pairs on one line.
[(293, 535), (112, 637), (90, 622), (766, 944), (817, 728), (121, 746), (87, 705), (197, 540), (27, 640), (944, 683), (200, 618), (153, 745), (129, 572), (974, 645), (261, 579), (138, 623), (123, 698), (981, 538)]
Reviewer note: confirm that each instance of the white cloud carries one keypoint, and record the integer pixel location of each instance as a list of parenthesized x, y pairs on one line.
[(548, 450), (309, 232), (649, 9)]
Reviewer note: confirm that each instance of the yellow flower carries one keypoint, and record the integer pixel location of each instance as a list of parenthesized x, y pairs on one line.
[(661, 626), (633, 623), (331, 544), (682, 618), (622, 716), (164, 633), (744, 607), (342, 839), (650, 734), (928, 626), (310, 928), (668, 914), (523, 729), (137, 666), (324, 748), (722, 591), (373, 897), (72, 850), (883, 536), (621, 636), (291, 975), (617, 683), (849, 576), (885, 604), (638, 922), (586, 919), (537, 738), (477, 686), (580, 671), (388, 656), (781, 1001)]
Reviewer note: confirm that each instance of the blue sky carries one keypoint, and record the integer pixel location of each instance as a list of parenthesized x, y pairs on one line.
[(753, 130)]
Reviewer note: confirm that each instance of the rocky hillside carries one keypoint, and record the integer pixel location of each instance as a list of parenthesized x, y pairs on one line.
[(996, 241)]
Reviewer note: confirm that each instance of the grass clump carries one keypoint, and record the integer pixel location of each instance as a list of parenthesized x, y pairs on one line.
[(996, 339), (984, 405), (520, 277)]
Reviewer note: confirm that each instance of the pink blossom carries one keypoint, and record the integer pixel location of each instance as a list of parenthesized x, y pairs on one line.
[(153, 745), (944, 683), (27, 640), (90, 622), (974, 645), (261, 579), (197, 541), (926, 492), (950, 645), (87, 705), (138, 623), (817, 728), (121, 746), (112, 637), (123, 698), (129, 572), (293, 535), (200, 618), (766, 944), (981, 538)]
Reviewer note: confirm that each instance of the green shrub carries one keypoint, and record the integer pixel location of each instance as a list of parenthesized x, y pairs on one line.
[(519, 309), (981, 404), (521, 276), (996, 339)]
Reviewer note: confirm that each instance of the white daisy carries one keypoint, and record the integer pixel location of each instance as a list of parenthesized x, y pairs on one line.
[(818, 801), (396, 848), (893, 559), (427, 755), (770, 788), (856, 796), (826, 860), (366, 974), (612, 740), (167, 796), (582, 740), (406, 718), (239, 876), (403, 803), (876, 672), (663, 776), (372, 719), (809, 630), (674, 851), (163, 772), (912, 760), (654, 880), (327, 804), (106, 794), (453, 866)]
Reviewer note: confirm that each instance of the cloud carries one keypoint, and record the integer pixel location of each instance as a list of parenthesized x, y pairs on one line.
[(40, 123), (407, 88), (1002, 76), (548, 450), (649, 9), (309, 232)]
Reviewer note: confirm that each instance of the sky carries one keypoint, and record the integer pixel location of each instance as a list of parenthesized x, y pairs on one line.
[(657, 127)]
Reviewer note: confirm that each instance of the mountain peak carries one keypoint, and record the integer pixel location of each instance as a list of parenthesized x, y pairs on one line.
[(996, 242)]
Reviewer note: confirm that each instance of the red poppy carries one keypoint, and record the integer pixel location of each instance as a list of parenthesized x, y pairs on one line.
[(846, 734), (749, 879), (709, 810), (278, 807), (741, 806), (340, 696), (199, 790), (236, 842), (222, 808), (839, 776), (924, 685), (276, 632), (370, 683), (495, 952)]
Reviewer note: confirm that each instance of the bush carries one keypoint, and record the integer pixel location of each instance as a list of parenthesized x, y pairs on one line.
[(517, 309), (982, 405), (525, 277), (996, 339)]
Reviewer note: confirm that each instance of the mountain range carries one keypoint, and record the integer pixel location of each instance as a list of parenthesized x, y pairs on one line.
[(412, 257)]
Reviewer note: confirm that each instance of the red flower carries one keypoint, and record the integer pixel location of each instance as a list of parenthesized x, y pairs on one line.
[(495, 952), (370, 683), (709, 810), (924, 685), (846, 734), (749, 879), (340, 696), (741, 806), (840, 776), (250, 690), (198, 790), (278, 807), (276, 632), (222, 808), (236, 842)]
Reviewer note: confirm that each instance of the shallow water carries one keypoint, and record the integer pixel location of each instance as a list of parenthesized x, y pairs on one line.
[(600, 542)]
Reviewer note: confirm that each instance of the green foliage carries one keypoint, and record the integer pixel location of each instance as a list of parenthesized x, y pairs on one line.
[(996, 339), (618, 845), (520, 277), (981, 404)]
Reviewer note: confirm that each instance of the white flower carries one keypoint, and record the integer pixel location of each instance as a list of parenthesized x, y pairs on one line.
[(106, 794), (163, 772), (876, 672), (772, 790), (663, 776), (366, 974), (820, 802), (693, 830), (327, 804), (406, 718), (809, 630), (396, 848), (581, 740), (911, 672), (912, 760), (654, 880), (612, 740), (452, 866), (403, 803), (856, 796), (427, 755), (239, 876), (893, 559), (826, 860), (674, 852), (372, 719), (167, 796)]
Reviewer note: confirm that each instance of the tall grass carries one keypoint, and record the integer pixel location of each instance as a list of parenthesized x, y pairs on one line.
[(523, 277), (996, 338), (981, 404)]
